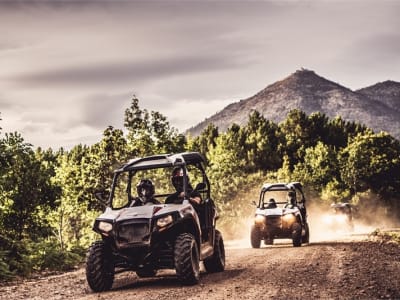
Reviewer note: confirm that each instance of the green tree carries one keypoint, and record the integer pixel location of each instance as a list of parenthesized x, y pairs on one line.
[(150, 133), (165, 138), (296, 135), (341, 131), (72, 219), (226, 163), (261, 143), (206, 140), (318, 128), (319, 167), (27, 195), (372, 161), (26, 190), (137, 122)]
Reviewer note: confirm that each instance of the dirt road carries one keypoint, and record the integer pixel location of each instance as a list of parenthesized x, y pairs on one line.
[(341, 269)]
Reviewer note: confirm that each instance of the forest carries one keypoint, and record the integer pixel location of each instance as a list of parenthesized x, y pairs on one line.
[(47, 203)]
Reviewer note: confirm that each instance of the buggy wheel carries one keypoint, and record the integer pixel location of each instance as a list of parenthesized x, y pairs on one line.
[(296, 234), (255, 237), (99, 267), (306, 238), (216, 263), (187, 259)]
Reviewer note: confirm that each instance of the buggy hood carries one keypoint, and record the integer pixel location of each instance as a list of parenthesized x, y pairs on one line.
[(142, 212), (278, 211)]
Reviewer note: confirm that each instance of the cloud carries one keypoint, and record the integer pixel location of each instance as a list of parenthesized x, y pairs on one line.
[(69, 68), (382, 49), (125, 72), (102, 110), (5, 103)]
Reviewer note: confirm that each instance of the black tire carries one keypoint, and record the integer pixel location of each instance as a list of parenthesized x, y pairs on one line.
[(99, 267), (306, 237), (296, 234), (187, 259), (255, 237), (216, 263), (144, 273)]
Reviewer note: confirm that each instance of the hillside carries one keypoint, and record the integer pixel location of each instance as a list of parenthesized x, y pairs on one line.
[(378, 106), (387, 92)]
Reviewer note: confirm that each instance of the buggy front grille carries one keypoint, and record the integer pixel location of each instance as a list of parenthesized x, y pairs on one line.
[(274, 222), (130, 233)]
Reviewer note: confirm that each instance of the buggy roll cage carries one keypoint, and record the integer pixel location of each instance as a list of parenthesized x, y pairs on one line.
[(291, 186), (163, 161)]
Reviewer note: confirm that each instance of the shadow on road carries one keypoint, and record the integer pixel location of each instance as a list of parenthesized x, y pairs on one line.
[(168, 279)]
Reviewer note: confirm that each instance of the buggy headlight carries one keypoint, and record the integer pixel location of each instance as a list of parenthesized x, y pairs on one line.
[(164, 221), (328, 219), (259, 219), (105, 226), (341, 218), (289, 218)]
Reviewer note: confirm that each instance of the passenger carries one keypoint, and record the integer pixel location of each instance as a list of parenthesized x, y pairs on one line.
[(291, 200), (145, 190), (271, 203)]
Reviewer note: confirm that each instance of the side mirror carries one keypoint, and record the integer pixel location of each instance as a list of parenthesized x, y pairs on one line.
[(102, 196), (200, 186), (254, 203)]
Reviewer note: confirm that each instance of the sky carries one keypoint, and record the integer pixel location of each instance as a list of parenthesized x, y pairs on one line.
[(69, 69)]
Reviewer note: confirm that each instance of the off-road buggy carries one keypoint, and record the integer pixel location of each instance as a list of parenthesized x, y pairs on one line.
[(340, 217), (151, 237), (280, 214)]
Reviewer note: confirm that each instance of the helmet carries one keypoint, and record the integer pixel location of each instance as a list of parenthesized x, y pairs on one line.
[(177, 178), (145, 189), (271, 203)]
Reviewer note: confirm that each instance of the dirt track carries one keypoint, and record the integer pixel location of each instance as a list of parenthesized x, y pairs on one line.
[(341, 269)]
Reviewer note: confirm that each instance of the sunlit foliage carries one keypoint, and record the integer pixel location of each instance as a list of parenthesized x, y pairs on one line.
[(47, 203)]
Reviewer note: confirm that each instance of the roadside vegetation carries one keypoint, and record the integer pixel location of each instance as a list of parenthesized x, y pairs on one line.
[(386, 235), (47, 205)]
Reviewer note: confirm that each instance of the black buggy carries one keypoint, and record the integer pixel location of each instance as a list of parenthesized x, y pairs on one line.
[(280, 214), (340, 217), (147, 238)]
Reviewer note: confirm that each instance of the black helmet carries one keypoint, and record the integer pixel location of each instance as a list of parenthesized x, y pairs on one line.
[(145, 189), (271, 203), (177, 179)]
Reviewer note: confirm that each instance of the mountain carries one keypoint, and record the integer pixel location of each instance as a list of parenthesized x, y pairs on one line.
[(387, 92), (376, 106)]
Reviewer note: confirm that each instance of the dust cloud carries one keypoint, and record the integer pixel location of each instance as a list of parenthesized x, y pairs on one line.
[(236, 232), (365, 221)]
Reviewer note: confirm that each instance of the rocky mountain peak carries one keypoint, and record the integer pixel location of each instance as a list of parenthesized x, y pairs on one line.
[(377, 106), (387, 92)]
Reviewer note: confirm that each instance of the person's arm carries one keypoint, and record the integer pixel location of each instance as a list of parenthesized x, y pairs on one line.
[(135, 202), (195, 197)]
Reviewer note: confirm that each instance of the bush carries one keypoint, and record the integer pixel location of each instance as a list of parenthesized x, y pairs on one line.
[(5, 273), (47, 255)]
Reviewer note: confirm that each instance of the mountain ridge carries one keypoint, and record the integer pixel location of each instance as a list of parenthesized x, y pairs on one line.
[(376, 106)]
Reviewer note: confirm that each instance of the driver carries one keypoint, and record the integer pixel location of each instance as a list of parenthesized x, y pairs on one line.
[(145, 190), (178, 196), (271, 203), (291, 199)]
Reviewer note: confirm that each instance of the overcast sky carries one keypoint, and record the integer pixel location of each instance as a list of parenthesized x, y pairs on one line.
[(68, 69)]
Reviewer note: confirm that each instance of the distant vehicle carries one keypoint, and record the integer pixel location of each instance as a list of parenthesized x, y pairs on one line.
[(280, 214), (154, 236), (340, 217)]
